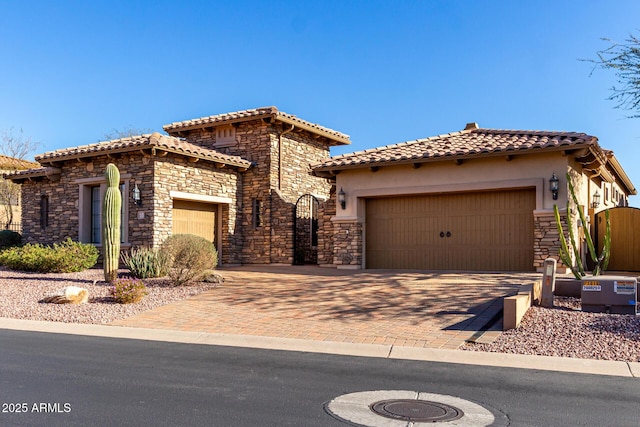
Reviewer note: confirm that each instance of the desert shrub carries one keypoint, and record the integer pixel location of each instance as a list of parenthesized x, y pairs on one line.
[(65, 257), (144, 263), (9, 239), (128, 290), (190, 256)]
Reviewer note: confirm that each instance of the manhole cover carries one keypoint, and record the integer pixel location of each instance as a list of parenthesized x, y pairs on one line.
[(416, 410)]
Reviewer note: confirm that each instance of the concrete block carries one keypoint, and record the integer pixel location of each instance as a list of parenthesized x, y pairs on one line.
[(515, 307)]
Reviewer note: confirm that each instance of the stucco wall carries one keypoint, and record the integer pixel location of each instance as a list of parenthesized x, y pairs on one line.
[(475, 174), (496, 173)]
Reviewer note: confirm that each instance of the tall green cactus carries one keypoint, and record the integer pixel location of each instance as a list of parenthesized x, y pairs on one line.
[(600, 262), (111, 205)]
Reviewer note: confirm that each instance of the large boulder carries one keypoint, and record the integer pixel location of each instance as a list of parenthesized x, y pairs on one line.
[(68, 295)]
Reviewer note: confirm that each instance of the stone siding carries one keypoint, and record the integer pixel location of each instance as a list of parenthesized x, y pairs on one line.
[(326, 211), (347, 241), (273, 184), (64, 199), (176, 173), (546, 239), (276, 185)]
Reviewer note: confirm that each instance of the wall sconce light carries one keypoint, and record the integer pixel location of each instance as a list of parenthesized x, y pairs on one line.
[(342, 198), (136, 195), (554, 185), (595, 202)]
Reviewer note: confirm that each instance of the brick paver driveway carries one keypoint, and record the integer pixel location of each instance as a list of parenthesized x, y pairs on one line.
[(420, 309)]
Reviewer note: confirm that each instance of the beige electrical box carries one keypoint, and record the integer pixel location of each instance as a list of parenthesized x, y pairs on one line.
[(610, 294)]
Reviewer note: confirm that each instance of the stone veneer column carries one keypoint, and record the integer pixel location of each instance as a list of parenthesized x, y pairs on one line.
[(546, 242), (326, 211), (347, 244)]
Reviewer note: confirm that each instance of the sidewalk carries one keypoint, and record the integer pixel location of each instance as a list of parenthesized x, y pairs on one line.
[(546, 363)]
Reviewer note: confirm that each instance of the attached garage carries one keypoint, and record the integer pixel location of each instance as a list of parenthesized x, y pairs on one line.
[(474, 200), (480, 231), (197, 218)]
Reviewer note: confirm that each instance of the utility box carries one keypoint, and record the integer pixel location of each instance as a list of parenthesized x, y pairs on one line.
[(610, 294)]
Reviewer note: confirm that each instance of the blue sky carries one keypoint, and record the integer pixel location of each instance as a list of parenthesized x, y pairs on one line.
[(381, 71)]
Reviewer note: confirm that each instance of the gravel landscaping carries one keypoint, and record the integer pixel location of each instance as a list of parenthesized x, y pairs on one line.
[(561, 331), (566, 331), (21, 294)]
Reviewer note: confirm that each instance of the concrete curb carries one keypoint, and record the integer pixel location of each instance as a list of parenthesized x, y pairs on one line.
[(546, 363)]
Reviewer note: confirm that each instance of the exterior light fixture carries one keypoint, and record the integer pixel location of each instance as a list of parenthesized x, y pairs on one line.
[(554, 185), (595, 202), (342, 198), (136, 195)]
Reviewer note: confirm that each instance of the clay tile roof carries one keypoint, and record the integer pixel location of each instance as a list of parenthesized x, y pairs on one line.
[(253, 114), (140, 142), (11, 163), (473, 142), (33, 173)]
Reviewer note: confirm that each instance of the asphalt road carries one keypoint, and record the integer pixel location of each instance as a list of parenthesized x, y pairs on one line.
[(65, 380)]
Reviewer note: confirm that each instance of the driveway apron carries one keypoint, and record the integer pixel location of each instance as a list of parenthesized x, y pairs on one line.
[(401, 308)]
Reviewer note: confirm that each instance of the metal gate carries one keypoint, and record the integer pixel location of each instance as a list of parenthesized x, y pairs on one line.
[(305, 230), (625, 238)]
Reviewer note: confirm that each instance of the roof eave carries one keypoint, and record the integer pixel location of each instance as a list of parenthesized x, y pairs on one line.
[(79, 156), (445, 158), (302, 125), (45, 172), (617, 168), (337, 139), (177, 127)]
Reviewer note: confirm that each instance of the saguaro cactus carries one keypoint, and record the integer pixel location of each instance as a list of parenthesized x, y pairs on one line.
[(111, 205)]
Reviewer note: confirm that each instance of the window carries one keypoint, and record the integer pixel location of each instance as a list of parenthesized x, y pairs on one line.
[(44, 211), (96, 219), (256, 213), (90, 212)]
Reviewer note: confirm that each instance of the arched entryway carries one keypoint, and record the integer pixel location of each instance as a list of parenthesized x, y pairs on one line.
[(305, 230)]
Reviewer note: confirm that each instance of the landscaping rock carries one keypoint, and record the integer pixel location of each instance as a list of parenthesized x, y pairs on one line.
[(68, 295), (211, 276)]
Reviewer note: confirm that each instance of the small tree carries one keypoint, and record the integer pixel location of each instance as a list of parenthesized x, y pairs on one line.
[(124, 133), (624, 60), (9, 195), (17, 146)]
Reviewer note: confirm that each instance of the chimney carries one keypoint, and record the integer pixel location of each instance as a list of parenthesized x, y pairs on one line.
[(471, 126)]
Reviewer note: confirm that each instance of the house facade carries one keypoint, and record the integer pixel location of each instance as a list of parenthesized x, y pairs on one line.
[(235, 179), (261, 185), (475, 200)]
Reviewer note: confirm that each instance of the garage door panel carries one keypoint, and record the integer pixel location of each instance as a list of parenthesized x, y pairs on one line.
[(194, 218), (488, 231)]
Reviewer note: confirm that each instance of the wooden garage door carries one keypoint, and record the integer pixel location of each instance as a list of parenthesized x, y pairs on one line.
[(482, 231), (194, 218)]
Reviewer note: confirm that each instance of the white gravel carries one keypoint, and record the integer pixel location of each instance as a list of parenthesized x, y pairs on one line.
[(560, 331), (566, 331), (21, 293)]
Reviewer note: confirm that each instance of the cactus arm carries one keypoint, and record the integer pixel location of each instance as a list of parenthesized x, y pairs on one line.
[(564, 250), (587, 235), (606, 248), (574, 244)]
